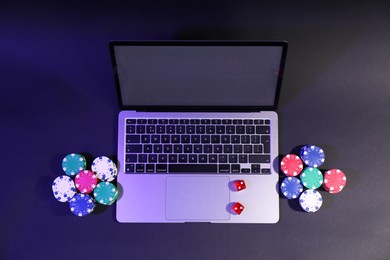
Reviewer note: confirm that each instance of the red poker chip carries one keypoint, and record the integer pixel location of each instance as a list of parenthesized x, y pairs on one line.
[(85, 181), (334, 181), (291, 165)]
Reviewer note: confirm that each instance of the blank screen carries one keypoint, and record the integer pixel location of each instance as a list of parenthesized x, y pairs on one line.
[(198, 75)]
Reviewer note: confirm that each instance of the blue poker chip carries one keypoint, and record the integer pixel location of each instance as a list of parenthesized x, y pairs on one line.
[(82, 204), (312, 156), (291, 187)]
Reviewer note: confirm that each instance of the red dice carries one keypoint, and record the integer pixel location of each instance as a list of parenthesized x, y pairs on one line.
[(237, 208), (240, 185)]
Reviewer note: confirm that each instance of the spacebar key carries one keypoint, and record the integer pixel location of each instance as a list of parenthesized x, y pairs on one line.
[(193, 168)]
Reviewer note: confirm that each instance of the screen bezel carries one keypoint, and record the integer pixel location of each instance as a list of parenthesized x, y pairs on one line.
[(282, 44)]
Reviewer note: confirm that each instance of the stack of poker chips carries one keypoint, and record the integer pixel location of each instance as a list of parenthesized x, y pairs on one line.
[(311, 178), (84, 188)]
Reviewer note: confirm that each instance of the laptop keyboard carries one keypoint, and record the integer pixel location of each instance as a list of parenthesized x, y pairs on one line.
[(197, 146)]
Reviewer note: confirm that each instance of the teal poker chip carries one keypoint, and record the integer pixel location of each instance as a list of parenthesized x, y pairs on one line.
[(82, 204), (105, 193), (312, 178), (73, 163), (312, 156)]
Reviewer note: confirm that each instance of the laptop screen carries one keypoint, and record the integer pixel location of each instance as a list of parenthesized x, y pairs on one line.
[(216, 74)]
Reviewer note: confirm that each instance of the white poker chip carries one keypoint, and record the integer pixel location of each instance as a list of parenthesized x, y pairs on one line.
[(104, 168), (310, 200), (63, 188)]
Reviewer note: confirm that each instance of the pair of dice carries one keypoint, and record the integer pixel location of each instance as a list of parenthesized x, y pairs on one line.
[(237, 207)]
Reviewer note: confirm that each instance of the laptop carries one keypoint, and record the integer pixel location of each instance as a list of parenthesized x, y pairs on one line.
[(197, 117)]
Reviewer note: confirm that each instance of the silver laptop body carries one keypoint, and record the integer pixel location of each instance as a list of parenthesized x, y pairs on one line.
[(198, 116)]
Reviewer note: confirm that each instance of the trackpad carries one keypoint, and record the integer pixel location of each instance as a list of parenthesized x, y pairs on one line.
[(197, 198)]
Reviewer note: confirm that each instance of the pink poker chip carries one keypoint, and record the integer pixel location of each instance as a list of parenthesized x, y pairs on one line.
[(85, 181), (291, 165)]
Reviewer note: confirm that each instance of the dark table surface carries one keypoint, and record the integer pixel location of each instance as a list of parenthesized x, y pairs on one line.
[(58, 96)]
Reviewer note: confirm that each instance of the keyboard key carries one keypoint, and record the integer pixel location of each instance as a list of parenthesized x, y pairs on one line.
[(237, 121), (235, 139), (160, 129), (130, 129), (232, 158), (255, 168), (172, 158), (162, 158), (205, 121), (235, 168), (184, 121), (152, 121), (261, 130), (163, 121), (168, 148), (141, 121), (195, 121), (180, 129), (129, 168), (185, 139), (200, 129), (226, 121), (225, 139), (216, 121), (161, 168), (250, 129), (245, 139), (243, 158), (134, 148), (210, 129), (131, 158), (267, 121), (205, 139), (257, 121), (131, 121), (151, 129), (247, 148), (182, 158), (178, 148), (248, 121), (224, 168), (259, 158), (193, 168), (220, 129), (227, 148), (142, 158), (171, 129), (237, 148), (133, 139), (145, 139), (175, 139), (195, 139), (266, 171), (222, 158), (140, 168), (202, 158), (255, 139), (165, 139), (140, 129), (148, 148), (245, 170), (212, 158), (215, 139), (190, 129), (257, 149), (152, 158), (230, 129), (149, 167), (208, 148), (157, 148), (265, 140), (217, 148), (198, 148), (155, 139), (193, 158), (240, 129), (173, 121), (188, 148)]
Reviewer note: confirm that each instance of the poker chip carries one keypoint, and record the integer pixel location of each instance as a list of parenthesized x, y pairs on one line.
[(310, 200), (312, 156), (73, 163), (104, 168), (105, 193), (82, 204), (63, 188), (291, 165), (334, 181), (291, 187), (311, 178), (86, 181)]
